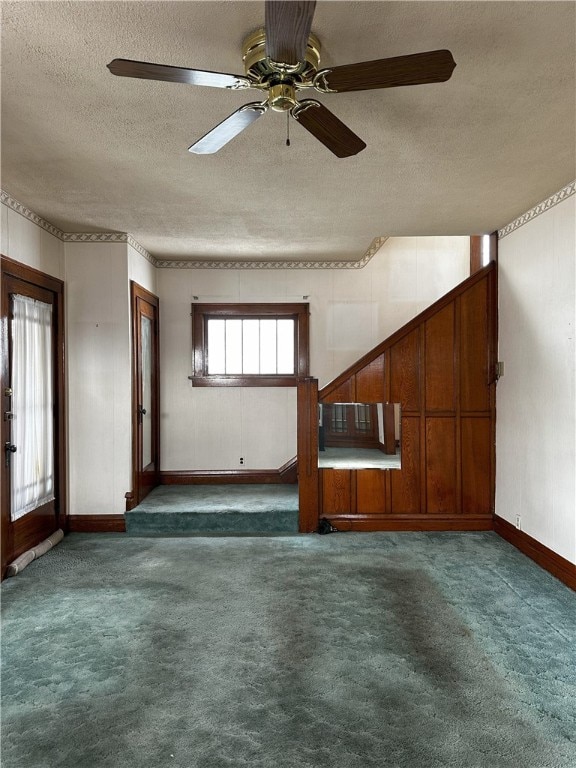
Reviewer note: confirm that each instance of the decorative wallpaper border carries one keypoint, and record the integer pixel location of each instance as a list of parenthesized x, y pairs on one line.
[(124, 237), (374, 246), (545, 205), (20, 208)]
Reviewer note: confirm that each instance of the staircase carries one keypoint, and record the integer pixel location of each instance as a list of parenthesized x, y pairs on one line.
[(206, 510)]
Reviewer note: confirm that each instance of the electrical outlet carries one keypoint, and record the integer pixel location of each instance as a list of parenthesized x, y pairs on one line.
[(241, 460), (519, 522)]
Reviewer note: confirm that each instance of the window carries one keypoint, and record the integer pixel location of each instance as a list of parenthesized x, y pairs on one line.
[(249, 345)]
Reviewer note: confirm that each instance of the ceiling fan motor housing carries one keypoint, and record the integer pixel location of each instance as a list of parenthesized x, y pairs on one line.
[(258, 67)]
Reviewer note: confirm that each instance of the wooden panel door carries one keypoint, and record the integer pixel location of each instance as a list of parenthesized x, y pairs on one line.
[(30, 516), (145, 394)]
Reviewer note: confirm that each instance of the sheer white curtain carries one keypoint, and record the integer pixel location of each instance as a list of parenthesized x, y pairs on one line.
[(32, 466)]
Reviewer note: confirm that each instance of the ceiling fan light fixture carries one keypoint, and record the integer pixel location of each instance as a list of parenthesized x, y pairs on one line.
[(282, 97)]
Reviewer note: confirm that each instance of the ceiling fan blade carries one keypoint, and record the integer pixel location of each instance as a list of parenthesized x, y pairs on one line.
[(327, 128), (226, 130), (149, 71), (415, 69), (288, 24)]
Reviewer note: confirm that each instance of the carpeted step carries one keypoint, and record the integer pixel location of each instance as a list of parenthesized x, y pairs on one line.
[(212, 509), (189, 523)]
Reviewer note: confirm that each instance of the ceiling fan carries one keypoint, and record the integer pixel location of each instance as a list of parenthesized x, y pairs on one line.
[(281, 59)]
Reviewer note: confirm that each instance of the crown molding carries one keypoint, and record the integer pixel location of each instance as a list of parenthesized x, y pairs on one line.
[(124, 237), (550, 202)]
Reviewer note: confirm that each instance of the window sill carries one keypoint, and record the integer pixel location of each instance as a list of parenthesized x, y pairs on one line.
[(244, 381)]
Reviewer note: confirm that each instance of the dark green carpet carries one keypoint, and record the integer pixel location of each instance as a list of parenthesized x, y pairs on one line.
[(343, 651), (233, 509)]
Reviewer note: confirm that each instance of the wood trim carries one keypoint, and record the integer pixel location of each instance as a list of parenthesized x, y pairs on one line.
[(285, 474), (412, 325), (130, 500), (494, 247), (250, 380), (308, 475), (31, 275), (417, 522), (96, 524), (289, 471), (546, 558), (139, 294), (201, 312)]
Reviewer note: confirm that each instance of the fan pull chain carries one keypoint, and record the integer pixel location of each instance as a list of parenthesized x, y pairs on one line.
[(287, 129)]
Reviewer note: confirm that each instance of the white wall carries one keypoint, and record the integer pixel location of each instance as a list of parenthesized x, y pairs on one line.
[(209, 428), (351, 312), (97, 355), (536, 428), (26, 242), (141, 271), (99, 377)]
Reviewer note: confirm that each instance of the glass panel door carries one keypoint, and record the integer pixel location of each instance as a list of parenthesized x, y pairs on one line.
[(146, 406), (32, 414)]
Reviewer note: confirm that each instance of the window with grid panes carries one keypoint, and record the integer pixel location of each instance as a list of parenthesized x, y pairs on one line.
[(243, 345)]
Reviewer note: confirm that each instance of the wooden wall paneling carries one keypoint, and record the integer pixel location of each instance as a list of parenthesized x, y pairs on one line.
[(97, 524), (404, 372), (360, 522), (337, 497), (307, 438), (345, 393), (370, 382), (422, 409), (441, 496), (439, 361), (412, 325), (474, 349), (476, 466), (387, 381), (389, 429), (458, 414), (405, 483), (440, 367), (371, 491)]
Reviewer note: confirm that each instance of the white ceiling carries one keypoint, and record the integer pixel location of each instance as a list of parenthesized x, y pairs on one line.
[(91, 152)]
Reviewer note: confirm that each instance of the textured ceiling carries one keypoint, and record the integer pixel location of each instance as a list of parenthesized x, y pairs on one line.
[(92, 152)]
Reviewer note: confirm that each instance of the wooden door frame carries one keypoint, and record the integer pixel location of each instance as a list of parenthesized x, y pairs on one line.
[(138, 293), (13, 269)]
